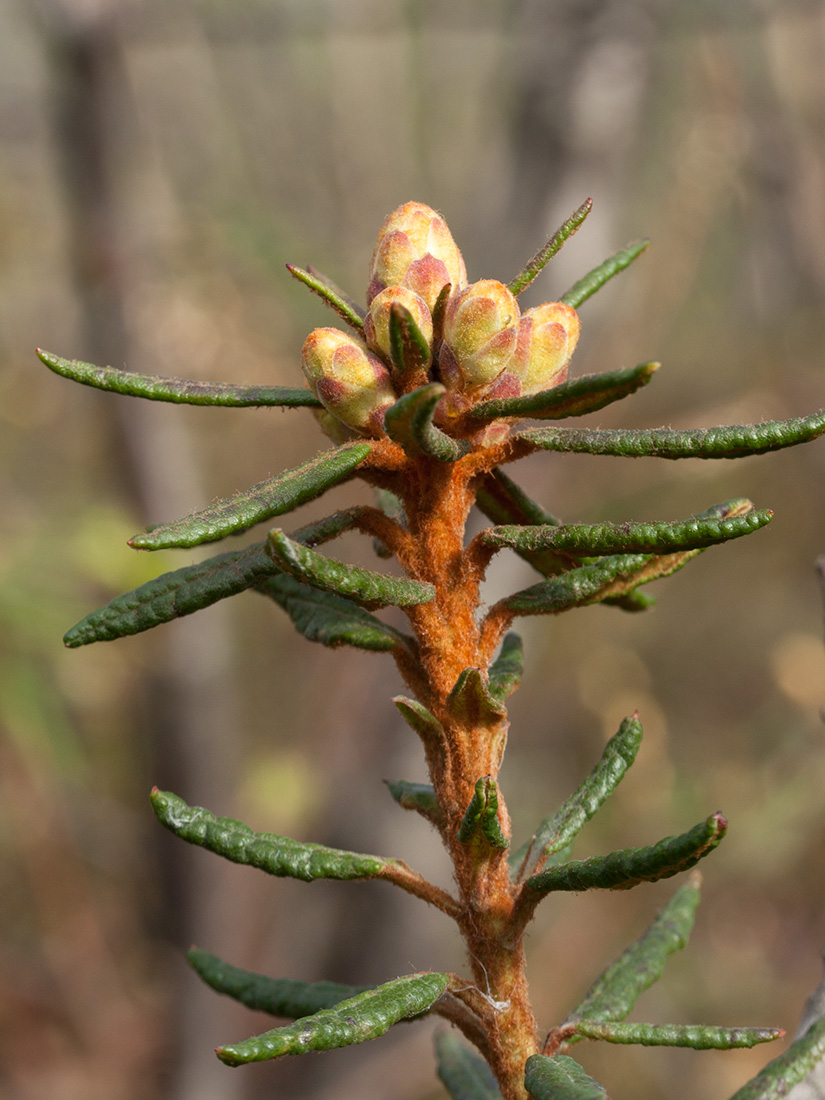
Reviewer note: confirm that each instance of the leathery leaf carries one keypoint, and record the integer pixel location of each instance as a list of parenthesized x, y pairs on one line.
[(410, 423), (537, 262), (560, 1078), (365, 1016), (579, 396), (472, 701), (615, 992), (182, 391), (277, 855), (779, 1076), (464, 1074), (322, 286), (409, 349), (594, 280), (481, 816), (507, 669), (277, 996), (416, 796), (628, 867), (363, 586), (697, 1037), (561, 828), (273, 497), (327, 618)]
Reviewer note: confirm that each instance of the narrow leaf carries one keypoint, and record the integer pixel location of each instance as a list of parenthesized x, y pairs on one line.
[(409, 350), (472, 702), (507, 669), (391, 506), (336, 301), (481, 816), (779, 1076), (561, 829), (277, 855), (464, 1074), (730, 441), (580, 396), (560, 1078), (594, 280), (277, 996), (330, 285), (502, 501), (365, 1016), (419, 719), (628, 867), (615, 992), (363, 586), (182, 391), (410, 423), (679, 1035), (273, 497), (329, 619), (534, 266), (416, 796), (657, 537)]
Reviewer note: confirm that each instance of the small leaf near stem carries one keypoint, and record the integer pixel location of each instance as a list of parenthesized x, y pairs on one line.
[(560, 1078), (507, 669), (344, 308), (534, 266), (481, 816), (409, 422), (409, 350), (463, 1073)]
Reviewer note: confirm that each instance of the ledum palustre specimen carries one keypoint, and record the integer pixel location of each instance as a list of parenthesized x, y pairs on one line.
[(424, 395)]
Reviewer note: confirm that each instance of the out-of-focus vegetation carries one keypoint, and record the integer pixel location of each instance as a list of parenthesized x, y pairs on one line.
[(159, 164)]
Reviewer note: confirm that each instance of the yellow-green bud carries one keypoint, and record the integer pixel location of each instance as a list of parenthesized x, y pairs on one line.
[(547, 338), (350, 382), (480, 336), (377, 321), (416, 249)]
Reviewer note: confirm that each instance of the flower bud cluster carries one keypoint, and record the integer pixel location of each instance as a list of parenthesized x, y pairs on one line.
[(481, 344)]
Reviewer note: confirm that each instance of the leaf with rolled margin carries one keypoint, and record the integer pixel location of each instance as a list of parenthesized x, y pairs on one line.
[(274, 497), (277, 996), (409, 350), (388, 503), (321, 286), (416, 796), (730, 441), (615, 992), (472, 702), (697, 1037), (481, 816), (502, 501), (534, 265), (356, 1020), (779, 1076), (507, 669), (628, 867), (464, 1074), (594, 280), (560, 829), (277, 855), (181, 391), (410, 423), (362, 586), (579, 396), (419, 719), (560, 1078)]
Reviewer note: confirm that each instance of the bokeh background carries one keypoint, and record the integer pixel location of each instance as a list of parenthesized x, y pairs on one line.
[(159, 163)]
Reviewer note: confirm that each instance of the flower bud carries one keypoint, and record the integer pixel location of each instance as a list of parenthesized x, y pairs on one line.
[(547, 338), (350, 382), (416, 249), (480, 336), (377, 321)]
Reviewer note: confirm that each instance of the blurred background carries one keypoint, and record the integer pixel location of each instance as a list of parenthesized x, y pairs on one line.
[(159, 163)]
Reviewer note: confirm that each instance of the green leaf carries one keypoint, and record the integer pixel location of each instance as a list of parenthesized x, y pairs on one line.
[(502, 501), (273, 497), (730, 441), (659, 537), (560, 830), (560, 1078), (419, 719), (615, 992), (329, 619), (321, 286), (277, 855), (779, 1076), (363, 586), (594, 280), (472, 702), (680, 1035), (481, 816), (507, 669), (416, 796), (365, 1016), (410, 423), (464, 1074), (409, 350), (628, 867), (580, 396), (391, 506), (182, 391), (277, 996), (534, 266)]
